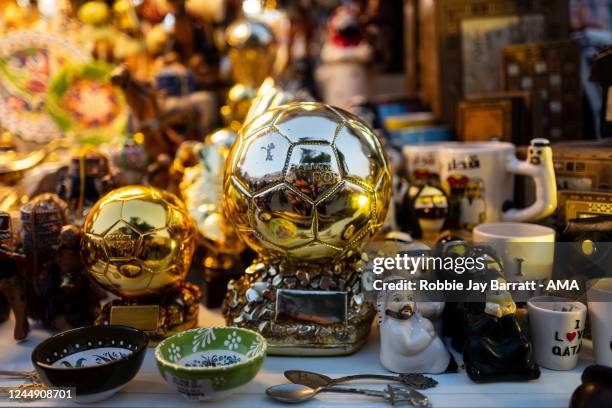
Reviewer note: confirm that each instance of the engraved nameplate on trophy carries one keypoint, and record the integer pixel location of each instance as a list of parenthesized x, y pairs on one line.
[(144, 318), (321, 307)]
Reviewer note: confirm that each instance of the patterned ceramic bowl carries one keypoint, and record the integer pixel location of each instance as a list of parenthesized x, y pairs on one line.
[(210, 363), (97, 360)]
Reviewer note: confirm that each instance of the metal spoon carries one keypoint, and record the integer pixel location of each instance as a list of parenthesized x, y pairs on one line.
[(296, 393), (314, 380)]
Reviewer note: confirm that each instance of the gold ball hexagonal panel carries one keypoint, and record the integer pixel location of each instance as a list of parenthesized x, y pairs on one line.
[(306, 182), (138, 240)]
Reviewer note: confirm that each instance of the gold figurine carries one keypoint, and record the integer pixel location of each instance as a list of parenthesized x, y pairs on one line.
[(137, 243), (252, 51), (202, 190), (306, 186)]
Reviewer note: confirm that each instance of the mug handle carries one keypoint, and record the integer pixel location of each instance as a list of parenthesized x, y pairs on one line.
[(539, 166)]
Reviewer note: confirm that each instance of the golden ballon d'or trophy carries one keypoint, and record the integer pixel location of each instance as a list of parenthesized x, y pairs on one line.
[(306, 186), (137, 243)]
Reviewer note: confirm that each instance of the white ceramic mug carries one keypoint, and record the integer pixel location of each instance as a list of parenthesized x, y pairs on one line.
[(526, 250), (599, 297), (479, 179), (556, 326), (423, 162)]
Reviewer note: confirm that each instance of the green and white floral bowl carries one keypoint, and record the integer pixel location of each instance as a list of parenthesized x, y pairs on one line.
[(210, 363)]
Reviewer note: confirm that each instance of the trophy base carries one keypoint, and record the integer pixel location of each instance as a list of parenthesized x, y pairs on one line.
[(302, 310), (161, 316), (316, 350)]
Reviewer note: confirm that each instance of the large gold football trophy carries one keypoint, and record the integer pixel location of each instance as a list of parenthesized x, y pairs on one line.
[(306, 186), (137, 243)]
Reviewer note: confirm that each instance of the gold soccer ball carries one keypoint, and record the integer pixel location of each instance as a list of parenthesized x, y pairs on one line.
[(137, 241), (306, 182)]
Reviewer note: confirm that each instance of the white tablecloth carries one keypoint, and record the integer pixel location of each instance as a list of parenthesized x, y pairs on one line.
[(148, 389)]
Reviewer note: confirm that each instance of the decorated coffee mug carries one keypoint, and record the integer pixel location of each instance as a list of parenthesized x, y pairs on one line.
[(423, 162), (556, 326), (599, 297), (479, 179)]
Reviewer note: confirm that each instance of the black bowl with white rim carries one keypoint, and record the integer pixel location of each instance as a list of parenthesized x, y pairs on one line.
[(96, 360)]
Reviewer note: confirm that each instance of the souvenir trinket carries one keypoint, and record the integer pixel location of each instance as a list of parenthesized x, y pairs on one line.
[(185, 111), (503, 116), (495, 347), (252, 50), (343, 75), (408, 340), (72, 298), (202, 166), (58, 294), (130, 161), (394, 394), (552, 71), (552, 318), (96, 360), (314, 380), (202, 191), (12, 290), (456, 37), (478, 186), (145, 113), (137, 243), (84, 103), (306, 186), (583, 166), (424, 210), (595, 390), (87, 179), (29, 61), (210, 363), (42, 219), (599, 297)]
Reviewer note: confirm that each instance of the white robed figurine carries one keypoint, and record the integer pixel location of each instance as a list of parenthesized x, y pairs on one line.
[(408, 341)]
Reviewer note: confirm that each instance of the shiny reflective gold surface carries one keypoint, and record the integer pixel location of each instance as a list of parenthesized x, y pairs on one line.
[(269, 95), (306, 182), (138, 240), (202, 190), (252, 51)]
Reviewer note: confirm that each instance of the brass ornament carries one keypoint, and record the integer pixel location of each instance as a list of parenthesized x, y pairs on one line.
[(137, 243), (307, 185), (252, 51), (202, 190), (307, 182)]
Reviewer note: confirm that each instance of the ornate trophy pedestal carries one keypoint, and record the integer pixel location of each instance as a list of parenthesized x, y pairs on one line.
[(172, 312), (302, 310)]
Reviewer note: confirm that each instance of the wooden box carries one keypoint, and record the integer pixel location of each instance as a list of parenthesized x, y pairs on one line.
[(584, 166), (551, 72), (448, 29), (573, 204), (505, 116)]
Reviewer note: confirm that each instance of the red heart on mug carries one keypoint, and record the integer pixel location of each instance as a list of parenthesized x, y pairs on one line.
[(570, 336)]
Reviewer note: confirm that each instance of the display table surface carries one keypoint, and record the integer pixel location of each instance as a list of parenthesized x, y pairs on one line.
[(148, 389)]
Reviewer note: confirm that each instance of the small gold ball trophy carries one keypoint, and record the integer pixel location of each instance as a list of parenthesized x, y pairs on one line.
[(306, 186), (137, 243)]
